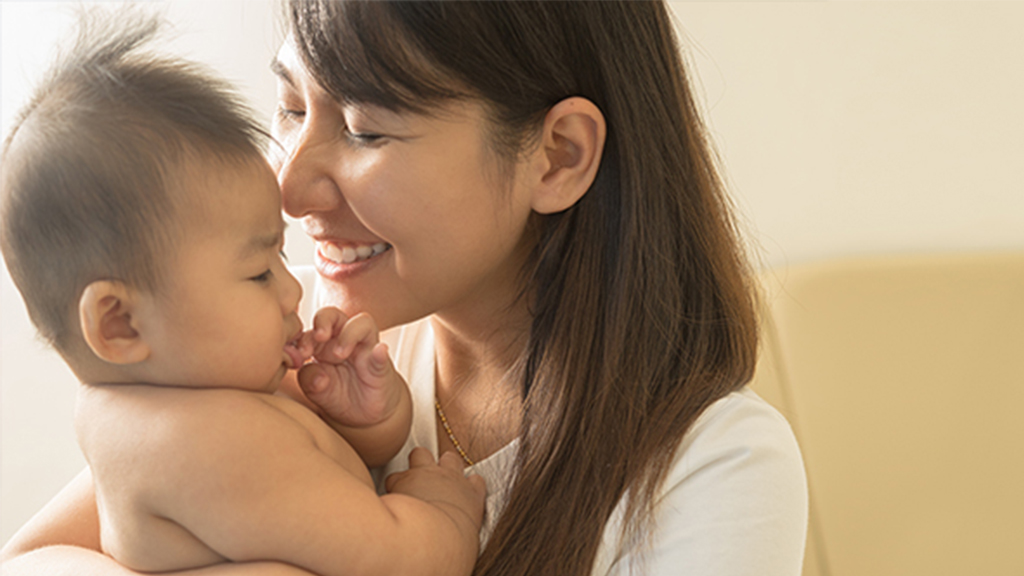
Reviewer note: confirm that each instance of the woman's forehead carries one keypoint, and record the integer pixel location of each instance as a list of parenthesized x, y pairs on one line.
[(290, 69), (287, 65), (354, 68)]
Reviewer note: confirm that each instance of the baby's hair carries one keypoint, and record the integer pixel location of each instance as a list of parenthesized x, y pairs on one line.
[(93, 164)]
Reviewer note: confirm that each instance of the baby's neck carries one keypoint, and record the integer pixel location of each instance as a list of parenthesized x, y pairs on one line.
[(92, 371)]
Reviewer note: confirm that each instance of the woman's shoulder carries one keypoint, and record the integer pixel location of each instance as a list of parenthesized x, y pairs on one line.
[(743, 434), (741, 416), (737, 483)]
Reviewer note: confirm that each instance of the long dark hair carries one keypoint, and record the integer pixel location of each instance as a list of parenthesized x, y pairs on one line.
[(642, 310)]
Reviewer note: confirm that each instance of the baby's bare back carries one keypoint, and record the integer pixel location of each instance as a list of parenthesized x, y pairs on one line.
[(163, 459)]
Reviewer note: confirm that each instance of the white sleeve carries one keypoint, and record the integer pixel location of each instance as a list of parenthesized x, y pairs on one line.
[(735, 502)]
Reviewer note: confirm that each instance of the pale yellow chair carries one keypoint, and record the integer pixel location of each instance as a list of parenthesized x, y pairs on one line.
[(904, 381)]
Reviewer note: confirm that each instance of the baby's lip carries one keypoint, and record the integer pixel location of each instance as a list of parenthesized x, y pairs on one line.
[(293, 358)]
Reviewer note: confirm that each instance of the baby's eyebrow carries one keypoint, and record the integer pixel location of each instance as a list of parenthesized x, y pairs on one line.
[(262, 243)]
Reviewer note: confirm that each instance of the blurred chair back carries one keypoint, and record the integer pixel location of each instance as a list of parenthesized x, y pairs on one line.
[(904, 381)]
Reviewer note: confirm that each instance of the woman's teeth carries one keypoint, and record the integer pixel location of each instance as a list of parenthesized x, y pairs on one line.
[(350, 254)]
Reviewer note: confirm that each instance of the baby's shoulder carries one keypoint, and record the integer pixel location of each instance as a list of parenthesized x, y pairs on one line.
[(141, 423), (175, 433), (229, 423), (325, 438), (226, 420)]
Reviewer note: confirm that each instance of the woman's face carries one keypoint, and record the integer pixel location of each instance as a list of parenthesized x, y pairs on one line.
[(409, 214)]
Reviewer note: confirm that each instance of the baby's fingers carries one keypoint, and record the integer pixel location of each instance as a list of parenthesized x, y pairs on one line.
[(360, 330), (478, 483), (379, 363), (305, 345), (420, 457), (326, 392), (452, 461), (327, 324)]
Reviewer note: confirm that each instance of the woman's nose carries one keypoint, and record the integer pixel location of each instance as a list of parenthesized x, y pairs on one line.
[(306, 175)]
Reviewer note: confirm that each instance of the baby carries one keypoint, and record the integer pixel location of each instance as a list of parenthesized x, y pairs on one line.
[(143, 227)]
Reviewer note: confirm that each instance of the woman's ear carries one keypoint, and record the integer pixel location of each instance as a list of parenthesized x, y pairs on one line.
[(105, 315), (572, 142)]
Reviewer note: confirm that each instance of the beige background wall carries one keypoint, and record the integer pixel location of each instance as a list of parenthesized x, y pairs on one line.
[(844, 128)]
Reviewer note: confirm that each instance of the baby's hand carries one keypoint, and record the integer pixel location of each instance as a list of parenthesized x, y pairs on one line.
[(352, 380), (444, 485)]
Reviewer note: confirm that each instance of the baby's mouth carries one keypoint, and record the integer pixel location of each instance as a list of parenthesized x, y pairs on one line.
[(351, 254), (293, 358)]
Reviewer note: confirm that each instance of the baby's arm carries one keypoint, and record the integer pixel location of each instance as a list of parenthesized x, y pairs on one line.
[(63, 539), (256, 485), (370, 402)]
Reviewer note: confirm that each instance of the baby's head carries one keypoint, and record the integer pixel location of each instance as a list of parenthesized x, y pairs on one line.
[(121, 162)]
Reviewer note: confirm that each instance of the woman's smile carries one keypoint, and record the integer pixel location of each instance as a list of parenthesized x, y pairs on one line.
[(351, 253), (336, 261), (406, 228)]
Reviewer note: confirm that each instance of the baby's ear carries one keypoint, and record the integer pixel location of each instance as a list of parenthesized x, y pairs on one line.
[(105, 315)]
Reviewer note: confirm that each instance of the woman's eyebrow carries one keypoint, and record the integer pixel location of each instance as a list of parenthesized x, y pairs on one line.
[(281, 71)]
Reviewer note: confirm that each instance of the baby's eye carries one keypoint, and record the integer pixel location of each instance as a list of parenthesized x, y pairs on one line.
[(283, 255), (263, 278)]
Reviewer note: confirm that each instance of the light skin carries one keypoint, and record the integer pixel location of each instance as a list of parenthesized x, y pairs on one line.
[(428, 187), (227, 306), (192, 457)]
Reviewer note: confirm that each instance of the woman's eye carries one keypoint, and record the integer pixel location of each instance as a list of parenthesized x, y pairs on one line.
[(289, 113), (263, 278), (363, 138)]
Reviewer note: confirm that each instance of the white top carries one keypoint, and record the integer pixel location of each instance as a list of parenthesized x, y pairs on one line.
[(733, 504)]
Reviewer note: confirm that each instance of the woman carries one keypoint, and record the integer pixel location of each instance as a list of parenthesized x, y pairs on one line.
[(527, 188)]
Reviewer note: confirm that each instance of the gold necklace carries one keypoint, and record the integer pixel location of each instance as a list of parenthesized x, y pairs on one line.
[(451, 435)]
